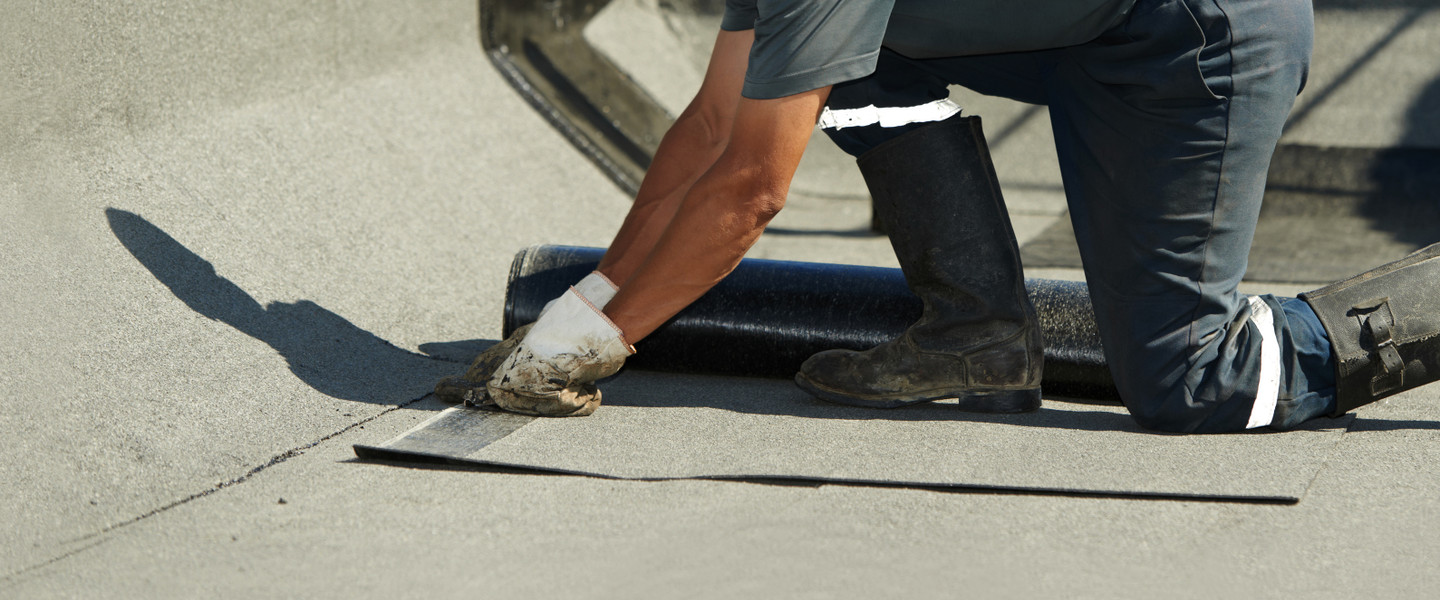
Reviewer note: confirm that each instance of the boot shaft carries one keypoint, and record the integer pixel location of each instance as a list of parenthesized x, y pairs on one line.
[(1384, 328), (937, 195)]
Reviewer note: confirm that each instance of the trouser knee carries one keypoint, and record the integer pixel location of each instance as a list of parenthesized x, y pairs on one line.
[(1174, 408), (1271, 366)]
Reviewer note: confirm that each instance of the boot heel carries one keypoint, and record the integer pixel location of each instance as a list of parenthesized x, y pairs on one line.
[(1009, 401)]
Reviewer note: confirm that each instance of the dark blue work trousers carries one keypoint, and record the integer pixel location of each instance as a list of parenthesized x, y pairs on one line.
[(1164, 127)]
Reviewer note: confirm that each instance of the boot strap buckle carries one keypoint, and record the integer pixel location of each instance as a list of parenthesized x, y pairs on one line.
[(1378, 323)]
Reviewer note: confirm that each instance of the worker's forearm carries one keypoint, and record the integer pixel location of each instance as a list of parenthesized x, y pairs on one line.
[(722, 215), (709, 234), (686, 152)]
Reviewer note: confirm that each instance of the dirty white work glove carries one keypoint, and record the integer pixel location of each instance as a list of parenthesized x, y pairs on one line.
[(470, 387), (552, 371)]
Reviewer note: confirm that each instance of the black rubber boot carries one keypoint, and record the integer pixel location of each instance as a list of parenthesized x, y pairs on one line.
[(1384, 328), (978, 340)]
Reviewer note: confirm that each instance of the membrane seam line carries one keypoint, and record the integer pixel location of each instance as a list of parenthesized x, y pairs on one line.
[(10, 577)]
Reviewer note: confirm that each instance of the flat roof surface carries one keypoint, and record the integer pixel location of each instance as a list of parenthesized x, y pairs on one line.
[(231, 232)]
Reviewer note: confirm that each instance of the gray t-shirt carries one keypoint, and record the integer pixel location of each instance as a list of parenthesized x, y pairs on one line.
[(801, 45)]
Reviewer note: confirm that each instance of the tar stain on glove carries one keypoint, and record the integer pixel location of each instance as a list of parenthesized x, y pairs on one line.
[(471, 387), (552, 372)]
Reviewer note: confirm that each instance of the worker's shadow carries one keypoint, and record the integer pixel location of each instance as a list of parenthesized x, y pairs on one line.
[(322, 348)]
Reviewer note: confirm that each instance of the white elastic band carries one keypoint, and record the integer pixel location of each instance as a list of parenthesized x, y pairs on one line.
[(1263, 412), (893, 116)]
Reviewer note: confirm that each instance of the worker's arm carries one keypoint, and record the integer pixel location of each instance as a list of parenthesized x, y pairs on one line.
[(687, 151), (721, 174), (551, 372), (722, 214)]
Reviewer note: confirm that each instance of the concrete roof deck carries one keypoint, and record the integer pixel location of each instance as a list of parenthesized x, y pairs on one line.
[(358, 176)]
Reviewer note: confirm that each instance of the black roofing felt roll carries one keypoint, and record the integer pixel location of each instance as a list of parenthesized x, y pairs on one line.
[(768, 316)]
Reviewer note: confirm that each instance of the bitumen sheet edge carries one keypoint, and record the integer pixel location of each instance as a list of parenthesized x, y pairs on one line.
[(660, 427)]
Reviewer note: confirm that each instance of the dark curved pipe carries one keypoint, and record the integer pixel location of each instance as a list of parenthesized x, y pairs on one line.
[(540, 49), (768, 316)]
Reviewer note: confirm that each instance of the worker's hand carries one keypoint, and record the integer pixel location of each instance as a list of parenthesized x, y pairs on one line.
[(470, 388), (552, 372)]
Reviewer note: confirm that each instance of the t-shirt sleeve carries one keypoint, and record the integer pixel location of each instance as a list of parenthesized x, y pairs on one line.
[(739, 15), (801, 45)]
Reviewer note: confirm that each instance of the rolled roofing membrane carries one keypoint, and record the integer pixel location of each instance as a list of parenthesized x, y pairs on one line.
[(768, 316)]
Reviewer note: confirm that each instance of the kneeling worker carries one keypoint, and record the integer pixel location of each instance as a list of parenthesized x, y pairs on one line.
[(1165, 114)]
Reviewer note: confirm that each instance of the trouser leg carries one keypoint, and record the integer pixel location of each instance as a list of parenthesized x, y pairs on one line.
[(900, 87), (1165, 128)]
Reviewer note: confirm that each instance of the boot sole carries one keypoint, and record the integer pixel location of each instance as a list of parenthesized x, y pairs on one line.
[(989, 401)]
